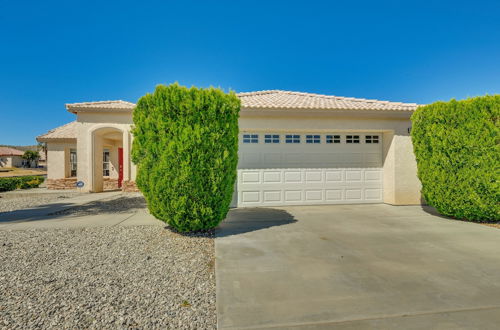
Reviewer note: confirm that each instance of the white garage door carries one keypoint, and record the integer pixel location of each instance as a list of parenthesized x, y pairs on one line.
[(308, 169)]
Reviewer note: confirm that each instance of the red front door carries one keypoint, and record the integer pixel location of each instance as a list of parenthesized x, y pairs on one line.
[(120, 167)]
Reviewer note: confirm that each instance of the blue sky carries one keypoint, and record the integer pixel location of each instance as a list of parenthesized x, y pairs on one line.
[(52, 52)]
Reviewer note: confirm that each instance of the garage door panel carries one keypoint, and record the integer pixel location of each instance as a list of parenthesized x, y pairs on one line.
[(334, 175), (353, 175), (292, 176), (272, 196), (272, 176), (314, 195), (310, 186), (333, 195), (250, 196), (293, 196), (314, 176), (249, 177), (373, 194), (354, 194)]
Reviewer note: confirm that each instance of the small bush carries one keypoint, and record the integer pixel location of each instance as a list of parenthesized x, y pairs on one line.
[(456, 145), (186, 150), (22, 182), (8, 184)]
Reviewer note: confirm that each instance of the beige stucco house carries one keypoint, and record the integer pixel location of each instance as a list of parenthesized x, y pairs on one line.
[(10, 157), (295, 149)]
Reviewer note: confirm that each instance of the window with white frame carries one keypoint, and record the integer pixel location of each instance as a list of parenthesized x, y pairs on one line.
[(313, 139), (105, 162), (271, 138), (352, 138), (250, 138), (332, 139), (72, 162), (371, 139), (292, 138)]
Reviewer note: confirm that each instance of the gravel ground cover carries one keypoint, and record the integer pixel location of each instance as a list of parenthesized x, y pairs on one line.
[(8, 204), (144, 277)]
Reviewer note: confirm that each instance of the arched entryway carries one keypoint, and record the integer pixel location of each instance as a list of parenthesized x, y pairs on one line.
[(107, 159)]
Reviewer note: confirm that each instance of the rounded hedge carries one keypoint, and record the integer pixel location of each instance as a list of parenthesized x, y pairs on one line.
[(186, 150), (456, 145)]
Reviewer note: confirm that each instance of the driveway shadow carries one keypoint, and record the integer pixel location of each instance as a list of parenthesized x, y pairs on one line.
[(244, 220)]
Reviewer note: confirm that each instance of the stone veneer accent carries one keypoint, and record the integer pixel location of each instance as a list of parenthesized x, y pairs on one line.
[(64, 183), (109, 184), (129, 186)]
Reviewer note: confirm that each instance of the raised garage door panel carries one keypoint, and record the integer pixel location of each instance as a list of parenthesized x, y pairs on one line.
[(302, 174), (272, 187)]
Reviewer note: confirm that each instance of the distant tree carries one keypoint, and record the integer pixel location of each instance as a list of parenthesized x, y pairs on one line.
[(31, 157)]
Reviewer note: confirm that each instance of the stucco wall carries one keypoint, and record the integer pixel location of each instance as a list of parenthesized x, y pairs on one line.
[(58, 159), (11, 161)]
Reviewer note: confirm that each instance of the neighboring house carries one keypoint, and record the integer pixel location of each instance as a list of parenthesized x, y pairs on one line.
[(10, 157), (295, 149)]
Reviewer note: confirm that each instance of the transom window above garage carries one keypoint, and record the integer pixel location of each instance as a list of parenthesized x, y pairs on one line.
[(313, 139), (333, 139), (250, 138), (292, 138), (371, 139), (352, 139), (272, 138)]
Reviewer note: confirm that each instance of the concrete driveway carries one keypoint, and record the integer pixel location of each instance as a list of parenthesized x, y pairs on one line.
[(356, 267)]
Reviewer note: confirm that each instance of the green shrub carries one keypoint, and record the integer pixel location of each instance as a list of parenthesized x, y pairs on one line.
[(27, 182), (21, 182), (8, 184), (186, 150), (456, 144)]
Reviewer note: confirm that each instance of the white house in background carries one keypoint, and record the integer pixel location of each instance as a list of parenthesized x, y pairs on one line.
[(294, 149), (10, 157)]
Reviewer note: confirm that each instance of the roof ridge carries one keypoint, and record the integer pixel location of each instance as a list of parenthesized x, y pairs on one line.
[(353, 99), (97, 102)]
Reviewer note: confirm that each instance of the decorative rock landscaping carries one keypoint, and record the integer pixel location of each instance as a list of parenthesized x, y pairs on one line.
[(108, 277)]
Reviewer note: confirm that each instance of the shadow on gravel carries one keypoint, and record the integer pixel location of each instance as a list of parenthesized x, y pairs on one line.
[(246, 220), (46, 212), (117, 205)]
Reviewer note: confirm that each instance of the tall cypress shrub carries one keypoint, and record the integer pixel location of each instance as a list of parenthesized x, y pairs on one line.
[(186, 150), (456, 145)]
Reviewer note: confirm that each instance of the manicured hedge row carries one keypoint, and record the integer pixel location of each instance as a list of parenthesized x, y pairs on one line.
[(186, 150), (457, 148), (22, 182)]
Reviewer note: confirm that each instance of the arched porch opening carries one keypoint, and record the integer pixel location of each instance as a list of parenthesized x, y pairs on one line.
[(107, 159)]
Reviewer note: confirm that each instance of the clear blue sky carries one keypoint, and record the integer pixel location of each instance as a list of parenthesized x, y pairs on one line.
[(57, 52)]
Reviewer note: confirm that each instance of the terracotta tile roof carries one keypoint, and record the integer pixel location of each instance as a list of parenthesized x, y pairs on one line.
[(6, 151), (116, 106), (269, 99), (63, 132), (278, 99)]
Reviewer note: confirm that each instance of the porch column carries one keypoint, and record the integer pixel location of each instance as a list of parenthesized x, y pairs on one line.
[(96, 164), (126, 155)]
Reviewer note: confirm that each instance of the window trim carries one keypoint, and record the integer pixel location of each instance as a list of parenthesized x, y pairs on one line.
[(104, 162), (272, 138), (73, 163), (352, 139), (333, 138), (292, 139), (372, 139), (250, 138), (313, 138)]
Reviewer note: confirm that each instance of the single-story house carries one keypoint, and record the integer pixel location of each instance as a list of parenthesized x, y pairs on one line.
[(294, 149), (10, 157)]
